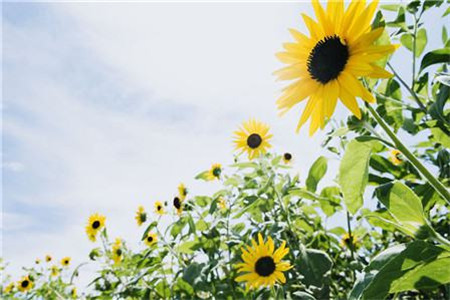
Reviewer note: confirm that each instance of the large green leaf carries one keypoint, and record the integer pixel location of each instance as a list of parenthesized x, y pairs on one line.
[(405, 207), (354, 173), (316, 173), (313, 265), (420, 266), (435, 57)]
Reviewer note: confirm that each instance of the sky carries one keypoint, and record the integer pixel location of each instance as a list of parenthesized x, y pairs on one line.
[(105, 111)]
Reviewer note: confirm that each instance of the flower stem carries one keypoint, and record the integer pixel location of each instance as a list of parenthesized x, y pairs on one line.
[(432, 180)]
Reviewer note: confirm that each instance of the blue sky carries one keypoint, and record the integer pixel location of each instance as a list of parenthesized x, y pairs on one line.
[(103, 112)]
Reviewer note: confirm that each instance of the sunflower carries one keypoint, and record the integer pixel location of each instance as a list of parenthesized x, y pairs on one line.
[(73, 292), (396, 157), (253, 137), (182, 191), (54, 271), (151, 239), (48, 258), (9, 288), (95, 223), (327, 64), (37, 261), (263, 265), (117, 252), (65, 262), (25, 284), (222, 203), (214, 172), (141, 215), (287, 157), (177, 203), (348, 240), (159, 208)]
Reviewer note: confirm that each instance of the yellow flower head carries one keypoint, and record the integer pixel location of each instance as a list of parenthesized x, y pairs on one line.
[(117, 251), (396, 157), (263, 265), (73, 292), (178, 204), (252, 137), (159, 208), (65, 262), (182, 191), (25, 284), (96, 223), (9, 288), (327, 64), (54, 271), (48, 258), (348, 240), (37, 261), (141, 215), (222, 203), (287, 158), (151, 239), (214, 172)]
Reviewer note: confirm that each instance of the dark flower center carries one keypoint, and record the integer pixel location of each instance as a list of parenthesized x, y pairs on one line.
[(287, 156), (66, 262), (216, 172), (143, 217), (327, 59), (177, 202), (159, 207), (96, 224), (24, 283), (119, 252), (150, 239), (254, 140), (398, 156), (265, 266)]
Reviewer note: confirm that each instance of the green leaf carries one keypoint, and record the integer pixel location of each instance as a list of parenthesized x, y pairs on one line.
[(186, 247), (313, 265), (354, 173), (447, 11), (421, 41), (407, 41), (420, 266), (440, 137), (330, 200), (390, 7), (404, 206), (435, 57), (203, 175), (316, 173), (444, 35)]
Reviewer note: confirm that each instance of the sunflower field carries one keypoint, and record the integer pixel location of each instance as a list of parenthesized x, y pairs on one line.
[(264, 233)]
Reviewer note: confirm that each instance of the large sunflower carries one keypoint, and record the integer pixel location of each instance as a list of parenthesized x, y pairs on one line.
[(141, 215), (95, 223), (263, 265), (65, 262), (253, 137), (25, 284), (327, 64), (117, 252), (150, 239)]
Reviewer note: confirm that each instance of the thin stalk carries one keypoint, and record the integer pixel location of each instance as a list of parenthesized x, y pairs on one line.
[(406, 86), (434, 182), (352, 250), (414, 52)]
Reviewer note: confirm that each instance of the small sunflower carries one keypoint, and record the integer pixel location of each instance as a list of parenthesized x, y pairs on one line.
[(65, 262), (263, 265), (396, 157), (253, 137), (73, 292), (117, 251), (37, 261), (214, 172), (54, 271), (327, 64), (348, 240), (95, 223), (159, 208), (287, 157), (222, 203), (177, 203), (25, 284), (182, 191), (48, 258), (141, 215), (9, 288), (151, 239)]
